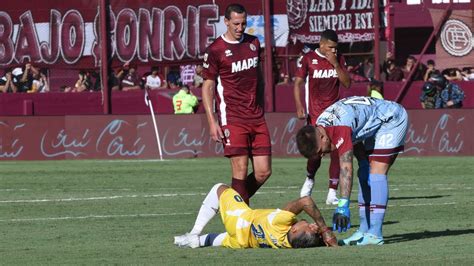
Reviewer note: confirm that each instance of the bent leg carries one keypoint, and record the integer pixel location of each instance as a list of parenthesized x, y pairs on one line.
[(209, 208), (262, 169)]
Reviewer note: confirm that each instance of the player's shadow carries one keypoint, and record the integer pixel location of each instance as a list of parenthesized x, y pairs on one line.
[(424, 235), (419, 197)]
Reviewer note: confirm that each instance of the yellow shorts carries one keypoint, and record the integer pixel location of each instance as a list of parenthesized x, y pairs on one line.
[(232, 206)]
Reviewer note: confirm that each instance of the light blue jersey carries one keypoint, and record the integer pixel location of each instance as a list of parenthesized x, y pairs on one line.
[(382, 124)]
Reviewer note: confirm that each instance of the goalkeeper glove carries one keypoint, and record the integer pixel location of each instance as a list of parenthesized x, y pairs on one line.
[(341, 219)]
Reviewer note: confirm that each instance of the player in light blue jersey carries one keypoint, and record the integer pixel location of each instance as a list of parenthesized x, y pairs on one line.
[(372, 130)]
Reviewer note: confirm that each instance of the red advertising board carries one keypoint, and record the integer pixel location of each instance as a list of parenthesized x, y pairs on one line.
[(434, 132)]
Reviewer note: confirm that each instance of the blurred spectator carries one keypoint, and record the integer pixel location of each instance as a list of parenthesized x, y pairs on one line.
[(128, 78), (8, 83), (393, 72), (184, 101), (26, 77), (198, 79), (429, 96), (375, 89), (468, 73), (409, 65), (285, 79), (452, 74), (450, 94), (430, 68), (173, 78), (40, 82), (356, 72), (154, 81), (83, 83), (368, 67)]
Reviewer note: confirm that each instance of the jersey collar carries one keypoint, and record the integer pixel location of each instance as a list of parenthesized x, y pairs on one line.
[(319, 53), (232, 42)]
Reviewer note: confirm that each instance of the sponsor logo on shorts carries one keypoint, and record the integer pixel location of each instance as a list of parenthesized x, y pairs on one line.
[(339, 143)]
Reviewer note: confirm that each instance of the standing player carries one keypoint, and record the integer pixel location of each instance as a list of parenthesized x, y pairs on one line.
[(231, 74), (342, 127), (260, 228), (321, 70)]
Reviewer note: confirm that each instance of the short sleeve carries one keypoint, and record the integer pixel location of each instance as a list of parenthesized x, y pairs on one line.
[(341, 137), (301, 67), (210, 65)]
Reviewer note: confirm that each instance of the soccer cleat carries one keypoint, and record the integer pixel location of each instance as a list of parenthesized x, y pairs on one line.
[(332, 198), (352, 240), (307, 187), (370, 239), (187, 240)]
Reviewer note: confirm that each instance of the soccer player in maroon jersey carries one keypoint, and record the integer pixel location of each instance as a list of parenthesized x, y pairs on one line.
[(231, 77), (321, 71)]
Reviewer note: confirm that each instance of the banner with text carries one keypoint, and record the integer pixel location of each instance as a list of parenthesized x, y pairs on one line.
[(351, 19), (61, 33)]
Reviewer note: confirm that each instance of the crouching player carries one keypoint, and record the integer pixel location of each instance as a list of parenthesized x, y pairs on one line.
[(373, 131), (259, 228)]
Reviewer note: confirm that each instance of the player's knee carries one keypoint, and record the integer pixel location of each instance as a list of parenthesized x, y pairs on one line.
[(219, 188), (263, 175)]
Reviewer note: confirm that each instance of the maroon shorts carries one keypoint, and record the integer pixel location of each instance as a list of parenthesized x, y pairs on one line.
[(246, 139)]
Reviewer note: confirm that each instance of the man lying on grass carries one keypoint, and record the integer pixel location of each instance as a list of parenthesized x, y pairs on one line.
[(259, 228)]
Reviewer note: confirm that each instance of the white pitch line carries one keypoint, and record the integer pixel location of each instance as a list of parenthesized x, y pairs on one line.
[(39, 219), (119, 197), (94, 217)]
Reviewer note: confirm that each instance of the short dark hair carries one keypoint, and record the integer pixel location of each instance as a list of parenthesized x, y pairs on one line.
[(306, 240), (430, 62), (329, 35), (237, 8), (306, 141)]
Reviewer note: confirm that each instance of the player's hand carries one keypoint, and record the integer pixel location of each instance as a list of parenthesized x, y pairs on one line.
[(329, 238), (332, 58), (300, 113), (341, 219), (216, 132)]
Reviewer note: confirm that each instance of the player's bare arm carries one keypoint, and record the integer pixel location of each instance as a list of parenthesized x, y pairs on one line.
[(307, 205), (207, 99), (345, 178), (299, 82)]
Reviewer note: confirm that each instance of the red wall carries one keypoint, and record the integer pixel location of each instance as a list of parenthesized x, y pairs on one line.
[(132, 102), (431, 132)]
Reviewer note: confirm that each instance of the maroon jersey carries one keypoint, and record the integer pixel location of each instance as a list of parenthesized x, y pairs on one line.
[(322, 82), (233, 65)]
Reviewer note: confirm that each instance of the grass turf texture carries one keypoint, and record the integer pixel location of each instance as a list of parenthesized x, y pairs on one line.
[(127, 212)]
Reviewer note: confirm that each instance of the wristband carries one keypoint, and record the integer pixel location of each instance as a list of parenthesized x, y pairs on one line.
[(325, 230), (343, 203)]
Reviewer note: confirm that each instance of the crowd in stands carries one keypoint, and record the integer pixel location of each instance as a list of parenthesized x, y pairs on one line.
[(434, 94)]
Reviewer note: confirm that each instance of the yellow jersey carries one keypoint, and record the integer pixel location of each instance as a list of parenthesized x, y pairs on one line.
[(248, 228)]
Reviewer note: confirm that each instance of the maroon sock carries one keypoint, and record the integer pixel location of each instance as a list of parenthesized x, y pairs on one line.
[(239, 186), (311, 167), (252, 184)]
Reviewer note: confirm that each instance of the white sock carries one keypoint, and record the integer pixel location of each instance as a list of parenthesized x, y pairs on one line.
[(209, 208), (307, 187)]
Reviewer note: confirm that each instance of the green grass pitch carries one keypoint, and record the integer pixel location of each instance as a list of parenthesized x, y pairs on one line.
[(127, 212)]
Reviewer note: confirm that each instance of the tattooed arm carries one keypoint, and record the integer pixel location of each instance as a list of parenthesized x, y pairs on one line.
[(345, 177), (307, 205)]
